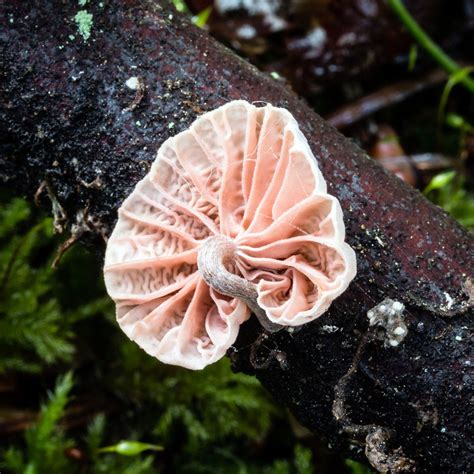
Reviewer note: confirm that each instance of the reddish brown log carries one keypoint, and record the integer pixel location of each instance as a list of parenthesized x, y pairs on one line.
[(68, 120)]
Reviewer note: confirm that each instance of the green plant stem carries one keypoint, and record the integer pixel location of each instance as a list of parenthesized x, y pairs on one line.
[(427, 43)]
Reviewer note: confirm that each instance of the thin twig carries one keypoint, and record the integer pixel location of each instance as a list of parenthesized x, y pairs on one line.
[(383, 98)]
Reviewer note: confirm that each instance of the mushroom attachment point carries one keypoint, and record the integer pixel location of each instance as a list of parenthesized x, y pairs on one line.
[(233, 218)]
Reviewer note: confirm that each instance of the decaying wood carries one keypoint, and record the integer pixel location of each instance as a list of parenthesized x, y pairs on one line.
[(68, 118)]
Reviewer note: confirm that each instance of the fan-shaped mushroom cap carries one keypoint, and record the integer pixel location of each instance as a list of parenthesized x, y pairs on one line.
[(246, 173)]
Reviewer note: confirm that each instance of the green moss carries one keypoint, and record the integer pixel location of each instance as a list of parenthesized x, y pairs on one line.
[(84, 21), (45, 440), (37, 313)]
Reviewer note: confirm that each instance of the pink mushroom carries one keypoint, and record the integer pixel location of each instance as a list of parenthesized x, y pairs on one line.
[(233, 218)]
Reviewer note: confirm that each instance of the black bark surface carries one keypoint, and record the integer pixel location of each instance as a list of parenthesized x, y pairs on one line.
[(72, 132)]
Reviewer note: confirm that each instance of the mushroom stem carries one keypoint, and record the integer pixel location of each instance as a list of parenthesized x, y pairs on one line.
[(214, 256)]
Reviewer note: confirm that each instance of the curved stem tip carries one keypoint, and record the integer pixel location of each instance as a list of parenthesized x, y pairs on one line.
[(214, 257)]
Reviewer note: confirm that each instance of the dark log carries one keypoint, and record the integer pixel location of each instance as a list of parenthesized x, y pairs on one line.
[(73, 133)]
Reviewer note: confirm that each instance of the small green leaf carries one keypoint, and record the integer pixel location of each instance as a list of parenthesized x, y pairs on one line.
[(412, 57), (440, 181), (130, 448), (456, 121), (181, 6), (202, 17), (454, 79)]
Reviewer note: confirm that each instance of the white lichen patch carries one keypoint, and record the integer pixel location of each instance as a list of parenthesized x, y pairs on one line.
[(84, 21), (327, 328), (449, 300), (388, 315), (132, 83)]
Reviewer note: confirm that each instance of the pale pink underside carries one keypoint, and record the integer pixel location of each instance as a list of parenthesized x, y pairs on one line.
[(247, 173)]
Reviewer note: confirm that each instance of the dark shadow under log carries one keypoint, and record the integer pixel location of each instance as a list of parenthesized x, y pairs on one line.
[(72, 132)]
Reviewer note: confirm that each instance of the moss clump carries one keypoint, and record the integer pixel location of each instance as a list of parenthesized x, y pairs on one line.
[(84, 21)]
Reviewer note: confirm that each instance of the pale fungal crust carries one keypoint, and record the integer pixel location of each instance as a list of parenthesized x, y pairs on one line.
[(389, 315), (247, 174)]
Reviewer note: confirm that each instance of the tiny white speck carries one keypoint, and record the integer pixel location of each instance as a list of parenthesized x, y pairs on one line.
[(458, 338), (171, 125), (132, 83), (329, 328), (393, 342), (75, 78), (449, 300), (138, 123)]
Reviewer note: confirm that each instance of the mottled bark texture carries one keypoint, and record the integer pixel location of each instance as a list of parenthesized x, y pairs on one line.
[(73, 133)]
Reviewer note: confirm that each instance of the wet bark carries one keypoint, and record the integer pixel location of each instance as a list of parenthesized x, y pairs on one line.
[(73, 133)]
